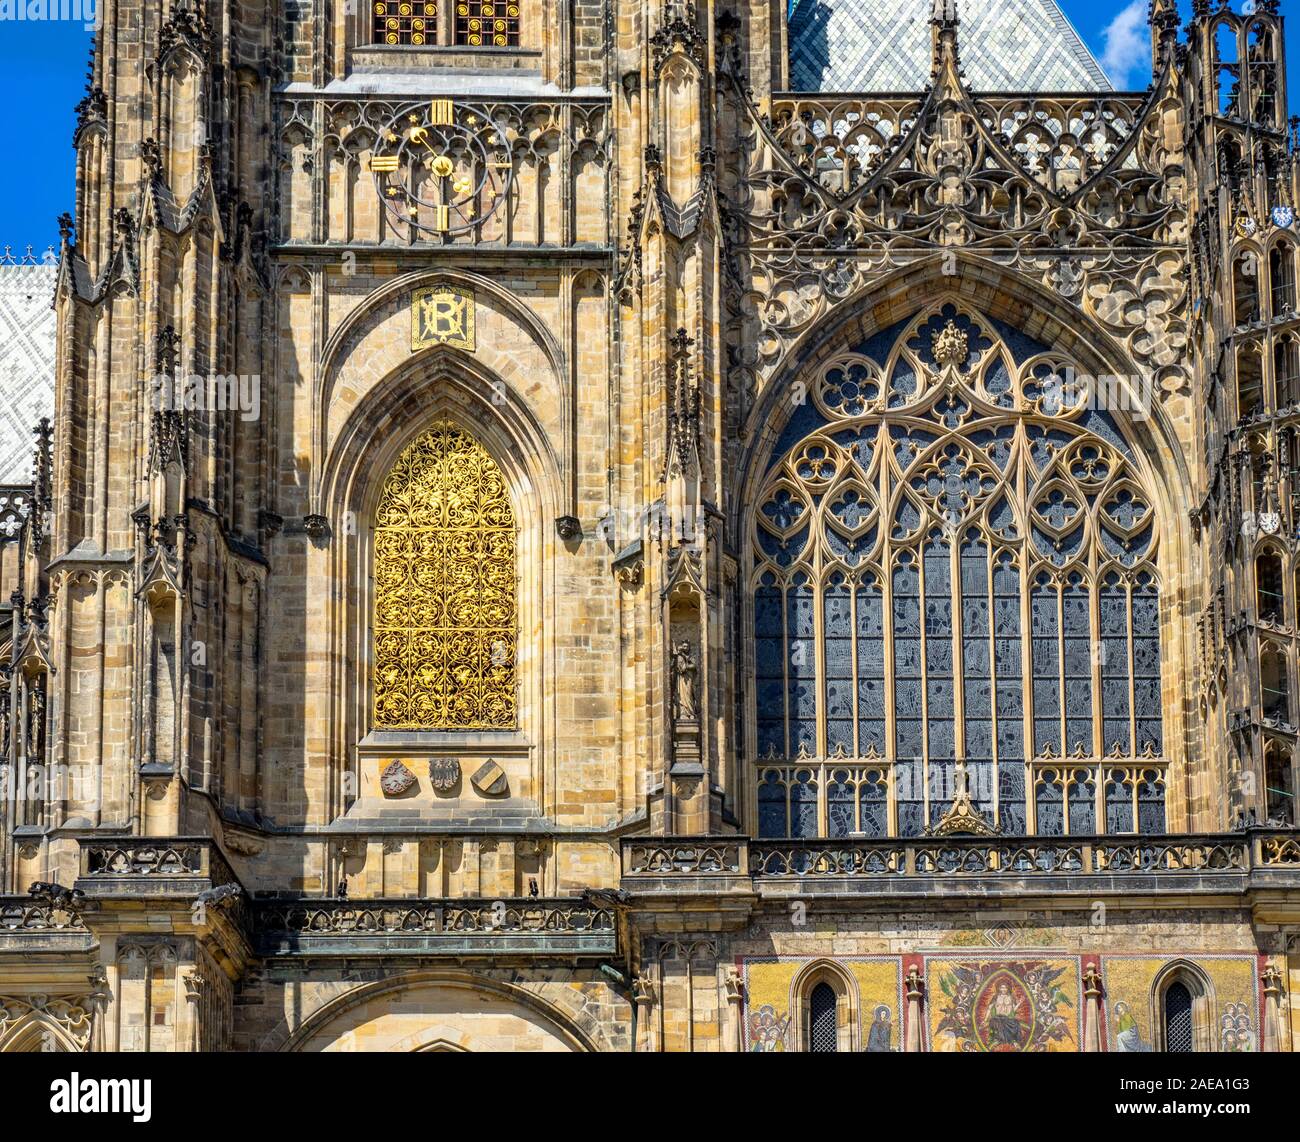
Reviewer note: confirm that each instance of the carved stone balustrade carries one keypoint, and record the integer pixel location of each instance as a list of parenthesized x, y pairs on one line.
[(923, 866), (1007, 866), (673, 866), (152, 866), (35, 925), (39, 923)]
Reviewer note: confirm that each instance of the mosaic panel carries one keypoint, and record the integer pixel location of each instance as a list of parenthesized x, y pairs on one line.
[(1130, 1009), (1003, 1005), (771, 1009)]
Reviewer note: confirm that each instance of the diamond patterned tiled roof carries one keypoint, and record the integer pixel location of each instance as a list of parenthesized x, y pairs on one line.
[(884, 46), (26, 363)]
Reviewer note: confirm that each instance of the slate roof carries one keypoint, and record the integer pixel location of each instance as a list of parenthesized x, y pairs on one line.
[(26, 363), (883, 46)]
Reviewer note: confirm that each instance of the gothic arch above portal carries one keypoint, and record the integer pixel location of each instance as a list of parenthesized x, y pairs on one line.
[(431, 1010), (516, 359)]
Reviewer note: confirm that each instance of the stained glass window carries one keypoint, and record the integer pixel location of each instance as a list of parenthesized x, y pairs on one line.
[(1119, 803), (1151, 802), (444, 589), (840, 798), (954, 560)]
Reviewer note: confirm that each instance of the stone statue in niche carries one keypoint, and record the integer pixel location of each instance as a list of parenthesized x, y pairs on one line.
[(36, 721), (684, 672)]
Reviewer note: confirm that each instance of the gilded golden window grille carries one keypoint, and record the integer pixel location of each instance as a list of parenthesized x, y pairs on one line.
[(412, 22), (487, 23), (445, 612)]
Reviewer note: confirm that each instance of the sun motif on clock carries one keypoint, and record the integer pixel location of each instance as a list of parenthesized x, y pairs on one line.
[(441, 169)]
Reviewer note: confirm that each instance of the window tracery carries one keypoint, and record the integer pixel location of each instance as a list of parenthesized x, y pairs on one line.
[(444, 589), (954, 561), (1281, 279)]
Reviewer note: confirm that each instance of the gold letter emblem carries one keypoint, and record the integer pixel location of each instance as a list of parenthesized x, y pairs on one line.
[(442, 315)]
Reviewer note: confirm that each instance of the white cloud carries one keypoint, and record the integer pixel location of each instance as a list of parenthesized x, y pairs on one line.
[(1127, 55)]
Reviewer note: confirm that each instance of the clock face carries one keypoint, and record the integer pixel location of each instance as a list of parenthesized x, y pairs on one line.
[(441, 169)]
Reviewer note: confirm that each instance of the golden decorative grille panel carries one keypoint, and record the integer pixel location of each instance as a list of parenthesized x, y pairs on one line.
[(445, 610), (487, 23), (404, 22)]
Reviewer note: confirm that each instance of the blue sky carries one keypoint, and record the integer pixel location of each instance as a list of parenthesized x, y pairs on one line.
[(43, 65)]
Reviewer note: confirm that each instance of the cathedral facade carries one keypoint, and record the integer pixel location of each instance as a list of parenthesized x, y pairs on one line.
[(645, 526)]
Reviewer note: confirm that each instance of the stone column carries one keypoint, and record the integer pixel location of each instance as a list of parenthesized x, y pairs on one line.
[(643, 995), (1271, 978), (735, 1002), (98, 1000), (1091, 1007), (193, 981), (915, 991)]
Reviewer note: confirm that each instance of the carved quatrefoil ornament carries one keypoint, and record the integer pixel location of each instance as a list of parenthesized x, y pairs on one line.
[(396, 779)]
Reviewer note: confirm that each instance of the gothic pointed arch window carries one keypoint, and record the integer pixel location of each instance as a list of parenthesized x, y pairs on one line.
[(1286, 371), (1183, 1004), (1274, 690), (1269, 598), (445, 625), (826, 1000), (1261, 60), (1250, 380), (1281, 279), (1245, 288), (953, 559), (1227, 69), (1279, 782)]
